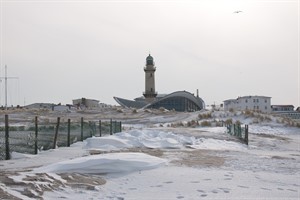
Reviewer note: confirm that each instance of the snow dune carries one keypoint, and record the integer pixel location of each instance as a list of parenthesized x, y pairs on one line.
[(156, 139), (105, 163)]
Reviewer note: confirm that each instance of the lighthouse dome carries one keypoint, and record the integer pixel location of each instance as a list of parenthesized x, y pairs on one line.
[(149, 60), (149, 57)]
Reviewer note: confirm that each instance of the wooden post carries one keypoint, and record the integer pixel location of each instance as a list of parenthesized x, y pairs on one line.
[(56, 133), (100, 128), (69, 131), (110, 126), (36, 136), (7, 153), (120, 126), (81, 128)]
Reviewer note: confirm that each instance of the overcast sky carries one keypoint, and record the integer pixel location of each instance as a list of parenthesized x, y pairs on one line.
[(63, 50)]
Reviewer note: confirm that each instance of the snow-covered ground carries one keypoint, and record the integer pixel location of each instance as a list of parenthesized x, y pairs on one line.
[(151, 160)]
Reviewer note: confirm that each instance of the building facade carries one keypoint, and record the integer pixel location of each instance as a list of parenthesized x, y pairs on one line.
[(282, 108), (256, 103), (88, 103)]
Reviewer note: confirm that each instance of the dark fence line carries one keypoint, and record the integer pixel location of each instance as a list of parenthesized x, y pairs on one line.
[(238, 131), (43, 136)]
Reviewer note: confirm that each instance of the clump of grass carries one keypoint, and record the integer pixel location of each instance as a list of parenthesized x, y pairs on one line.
[(178, 124), (134, 111), (192, 123), (205, 116), (228, 121), (119, 110), (205, 123)]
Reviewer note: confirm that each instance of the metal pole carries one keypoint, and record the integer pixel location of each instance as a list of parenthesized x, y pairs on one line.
[(56, 133), (7, 154), (5, 78), (69, 131), (110, 126), (81, 128), (36, 136), (100, 128), (246, 134)]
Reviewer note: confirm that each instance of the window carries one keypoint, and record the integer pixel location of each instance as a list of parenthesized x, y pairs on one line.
[(265, 100), (266, 108), (254, 100), (151, 75), (257, 100), (246, 100)]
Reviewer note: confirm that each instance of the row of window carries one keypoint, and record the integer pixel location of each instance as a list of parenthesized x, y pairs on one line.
[(256, 107), (255, 100)]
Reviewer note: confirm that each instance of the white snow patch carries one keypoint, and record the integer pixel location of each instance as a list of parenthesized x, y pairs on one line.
[(139, 138), (105, 163), (213, 144)]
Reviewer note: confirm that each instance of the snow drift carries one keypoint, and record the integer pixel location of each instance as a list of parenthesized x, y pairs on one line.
[(105, 163)]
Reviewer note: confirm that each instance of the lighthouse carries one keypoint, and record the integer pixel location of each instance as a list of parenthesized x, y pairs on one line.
[(150, 68)]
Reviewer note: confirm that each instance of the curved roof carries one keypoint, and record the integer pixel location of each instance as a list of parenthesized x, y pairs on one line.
[(196, 100), (129, 103), (175, 100)]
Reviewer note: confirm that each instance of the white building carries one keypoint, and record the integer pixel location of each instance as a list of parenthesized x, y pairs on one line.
[(256, 103), (88, 103)]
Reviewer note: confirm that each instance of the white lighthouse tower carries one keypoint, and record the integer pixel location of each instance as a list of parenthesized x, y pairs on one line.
[(150, 93)]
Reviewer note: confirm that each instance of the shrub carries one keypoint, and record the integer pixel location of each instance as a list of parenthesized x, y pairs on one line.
[(192, 123), (205, 123), (120, 110), (204, 116), (134, 111), (228, 121)]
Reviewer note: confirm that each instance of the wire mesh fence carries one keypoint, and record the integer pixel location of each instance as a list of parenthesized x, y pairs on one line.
[(238, 131), (44, 136)]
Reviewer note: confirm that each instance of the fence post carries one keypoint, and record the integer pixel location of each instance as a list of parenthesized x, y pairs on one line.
[(100, 128), (81, 128), (36, 136), (56, 133), (7, 154), (69, 131), (120, 126), (246, 134), (110, 126)]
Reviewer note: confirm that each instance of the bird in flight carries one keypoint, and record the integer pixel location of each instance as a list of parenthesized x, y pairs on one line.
[(238, 11)]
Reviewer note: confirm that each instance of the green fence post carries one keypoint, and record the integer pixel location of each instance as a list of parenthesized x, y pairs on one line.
[(110, 126), (56, 133), (246, 134), (100, 128), (7, 154), (120, 126), (36, 136), (81, 128), (69, 132)]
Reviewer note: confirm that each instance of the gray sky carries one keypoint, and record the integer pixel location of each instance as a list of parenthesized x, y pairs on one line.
[(62, 50)]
